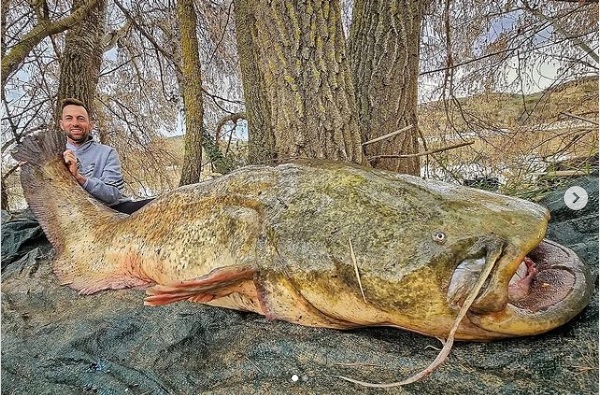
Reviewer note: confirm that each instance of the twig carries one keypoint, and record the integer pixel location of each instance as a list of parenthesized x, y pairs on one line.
[(358, 364), (387, 136), (578, 117), (562, 173), (583, 369), (356, 270), (433, 151)]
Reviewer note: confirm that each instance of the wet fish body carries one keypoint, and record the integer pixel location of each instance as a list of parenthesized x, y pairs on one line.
[(320, 244)]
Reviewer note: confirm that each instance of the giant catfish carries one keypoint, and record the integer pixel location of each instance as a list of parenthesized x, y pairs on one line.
[(316, 243)]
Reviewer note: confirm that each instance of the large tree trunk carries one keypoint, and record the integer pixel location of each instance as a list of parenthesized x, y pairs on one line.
[(191, 86), (305, 76), (261, 141), (384, 53), (82, 57)]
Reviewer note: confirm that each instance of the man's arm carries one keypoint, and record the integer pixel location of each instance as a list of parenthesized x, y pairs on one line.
[(108, 186)]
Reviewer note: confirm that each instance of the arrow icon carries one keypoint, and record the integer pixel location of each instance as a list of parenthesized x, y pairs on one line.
[(575, 198)]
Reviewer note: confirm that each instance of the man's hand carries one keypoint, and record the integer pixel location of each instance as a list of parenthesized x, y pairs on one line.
[(71, 161)]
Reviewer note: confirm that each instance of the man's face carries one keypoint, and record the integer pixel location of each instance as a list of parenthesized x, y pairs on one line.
[(75, 122)]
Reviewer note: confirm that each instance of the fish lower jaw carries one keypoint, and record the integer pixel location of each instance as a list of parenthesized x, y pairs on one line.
[(534, 285)]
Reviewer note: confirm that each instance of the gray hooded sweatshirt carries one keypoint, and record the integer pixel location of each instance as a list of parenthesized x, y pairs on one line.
[(100, 164)]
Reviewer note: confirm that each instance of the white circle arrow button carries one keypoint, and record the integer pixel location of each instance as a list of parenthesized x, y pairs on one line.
[(575, 198)]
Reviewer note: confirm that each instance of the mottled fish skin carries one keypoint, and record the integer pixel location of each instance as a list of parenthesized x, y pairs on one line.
[(277, 241)]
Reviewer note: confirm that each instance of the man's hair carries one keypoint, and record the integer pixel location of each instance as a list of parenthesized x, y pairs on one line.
[(73, 102)]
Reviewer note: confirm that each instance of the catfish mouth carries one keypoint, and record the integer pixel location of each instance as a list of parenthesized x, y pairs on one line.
[(548, 288)]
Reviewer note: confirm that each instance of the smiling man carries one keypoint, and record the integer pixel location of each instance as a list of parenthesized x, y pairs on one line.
[(95, 166)]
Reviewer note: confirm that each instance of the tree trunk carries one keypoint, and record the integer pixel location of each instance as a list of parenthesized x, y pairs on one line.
[(261, 141), (4, 7), (81, 60), (44, 28), (384, 53), (4, 195), (192, 93), (299, 53)]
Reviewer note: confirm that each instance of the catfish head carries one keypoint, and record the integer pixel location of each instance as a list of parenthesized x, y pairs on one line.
[(376, 248), (532, 285)]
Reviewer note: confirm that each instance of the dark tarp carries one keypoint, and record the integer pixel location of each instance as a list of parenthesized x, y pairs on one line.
[(56, 342), (22, 236)]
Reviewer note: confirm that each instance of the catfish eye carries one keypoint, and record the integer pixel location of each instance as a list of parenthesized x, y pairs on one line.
[(439, 236)]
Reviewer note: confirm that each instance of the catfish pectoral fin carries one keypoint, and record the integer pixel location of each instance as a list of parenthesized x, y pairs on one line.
[(216, 284)]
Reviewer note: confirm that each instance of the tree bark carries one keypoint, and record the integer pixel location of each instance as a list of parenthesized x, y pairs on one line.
[(192, 93), (81, 60), (3, 196), (4, 204), (304, 76), (384, 52), (261, 140), (4, 7), (45, 28)]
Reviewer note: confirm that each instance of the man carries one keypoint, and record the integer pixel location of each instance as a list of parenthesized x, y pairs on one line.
[(95, 166)]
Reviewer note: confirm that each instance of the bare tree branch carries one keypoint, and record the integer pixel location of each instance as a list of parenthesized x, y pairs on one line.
[(433, 151), (229, 118), (387, 136), (45, 28), (579, 118), (559, 28)]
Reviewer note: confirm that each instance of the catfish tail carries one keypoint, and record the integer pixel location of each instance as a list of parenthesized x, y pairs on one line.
[(38, 149), (33, 153), (75, 223)]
